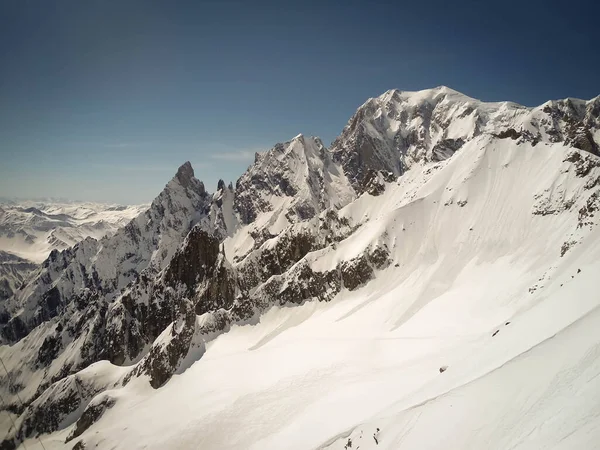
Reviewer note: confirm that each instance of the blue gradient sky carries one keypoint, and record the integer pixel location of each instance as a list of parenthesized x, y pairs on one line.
[(103, 100)]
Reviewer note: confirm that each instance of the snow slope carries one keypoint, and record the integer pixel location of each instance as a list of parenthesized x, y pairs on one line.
[(454, 306)]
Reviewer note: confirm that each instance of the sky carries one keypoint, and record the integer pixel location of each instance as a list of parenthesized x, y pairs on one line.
[(103, 100)]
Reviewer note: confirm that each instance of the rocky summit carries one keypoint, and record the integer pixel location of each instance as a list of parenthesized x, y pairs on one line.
[(439, 258)]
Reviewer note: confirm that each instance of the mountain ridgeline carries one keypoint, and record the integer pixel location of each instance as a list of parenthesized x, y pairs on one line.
[(149, 297)]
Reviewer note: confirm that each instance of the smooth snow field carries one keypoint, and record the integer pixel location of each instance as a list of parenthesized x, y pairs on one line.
[(480, 290)]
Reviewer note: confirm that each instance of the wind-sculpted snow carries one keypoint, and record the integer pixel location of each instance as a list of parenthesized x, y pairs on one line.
[(335, 296)]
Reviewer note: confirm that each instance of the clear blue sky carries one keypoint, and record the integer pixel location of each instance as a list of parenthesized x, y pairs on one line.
[(103, 100)]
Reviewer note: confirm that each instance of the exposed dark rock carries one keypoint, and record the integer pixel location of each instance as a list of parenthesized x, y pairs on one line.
[(290, 248), (185, 175), (8, 444), (371, 183), (219, 291), (356, 272), (362, 153), (301, 283), (580, 137), (49, 350), (50, 304), (14, 271), (302, 210), (164, 357), (194, 261), (509, 133), (92, 413), (260, 236), (446, 148), (94, 345), (379, 257), (548, 204), (587, 211), (247, 206), (583, 164), (566, 246)]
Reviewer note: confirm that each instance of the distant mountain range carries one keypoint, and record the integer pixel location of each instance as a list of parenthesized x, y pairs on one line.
[(31, 229)]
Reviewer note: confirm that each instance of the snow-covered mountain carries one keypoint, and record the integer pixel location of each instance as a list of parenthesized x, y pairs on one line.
[(30, 230), (399, 129), (428, 280), (13, 273)]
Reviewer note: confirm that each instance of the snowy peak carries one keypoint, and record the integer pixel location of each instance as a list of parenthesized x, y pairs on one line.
[(292, 179), (147, 242), (425, 95), (183, 184), (399, 129), (185, 176)]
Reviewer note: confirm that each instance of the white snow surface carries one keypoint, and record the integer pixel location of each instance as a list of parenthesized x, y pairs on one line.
[(479, 289)]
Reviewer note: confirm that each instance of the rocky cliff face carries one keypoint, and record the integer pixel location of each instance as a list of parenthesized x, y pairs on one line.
[(297, 179), (195, 263)]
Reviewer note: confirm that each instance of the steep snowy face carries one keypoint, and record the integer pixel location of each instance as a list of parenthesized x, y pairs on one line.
[(107, 266), (295, 180), (393, 132)]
